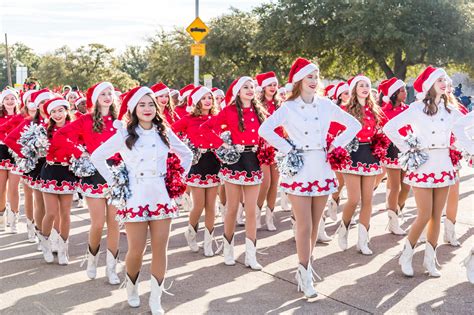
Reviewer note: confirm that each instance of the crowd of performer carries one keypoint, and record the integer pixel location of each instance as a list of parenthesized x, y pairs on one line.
[(341, 135)]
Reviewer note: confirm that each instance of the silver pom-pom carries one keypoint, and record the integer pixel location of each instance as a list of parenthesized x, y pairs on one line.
[(290, 164), (196, 152), (231, 153), (414, 157), (82, 167), (119, 192), (353, 146), (34, 144)]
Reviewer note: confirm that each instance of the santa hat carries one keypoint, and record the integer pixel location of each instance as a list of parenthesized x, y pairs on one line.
[(217, 92), (66, 87), (329, 90), (282, 90), (301, 67), (160, 89), (426, 79), (184, 92), (94, 91), (131, 99), (173, 92), (79, 101), (7, 92), (341, 87), (38, 96), (75, 93), (265, 79), (25, 96), (389, 87), (235, 87), (352, 82), (54, 103), (197, 94)]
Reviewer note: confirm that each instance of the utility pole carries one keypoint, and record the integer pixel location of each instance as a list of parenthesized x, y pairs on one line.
[(196, 58), (7, 56)]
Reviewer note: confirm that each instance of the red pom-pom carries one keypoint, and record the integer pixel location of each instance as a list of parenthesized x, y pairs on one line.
[(455, 156), (379, 145), (329, 139), (265, 153), (339, 159), (174, 176)]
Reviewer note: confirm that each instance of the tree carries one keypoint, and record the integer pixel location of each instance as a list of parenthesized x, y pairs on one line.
[(133, 62)]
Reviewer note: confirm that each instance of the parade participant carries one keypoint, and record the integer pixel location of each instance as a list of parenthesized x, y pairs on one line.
[(58, 183), (174, 97), (144, 145), (203, 177), (432, 119), (329, 91), (359, 176), (181, 108), (282, 93), (306, 118), (242, 116), (90, 131), (162, 94), (219, 97), (71, 98), (80, 106), (394, 97)]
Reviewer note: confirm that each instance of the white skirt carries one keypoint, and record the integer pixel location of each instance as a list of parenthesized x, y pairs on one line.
[(316, 178), (438, 171)]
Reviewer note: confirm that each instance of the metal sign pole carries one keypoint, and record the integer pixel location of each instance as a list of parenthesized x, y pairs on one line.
[(196, 58)]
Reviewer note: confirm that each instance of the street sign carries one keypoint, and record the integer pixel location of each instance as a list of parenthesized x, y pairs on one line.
[(198, 30), (198, 50)]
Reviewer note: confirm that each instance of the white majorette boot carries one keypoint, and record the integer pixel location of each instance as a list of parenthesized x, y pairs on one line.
[(190, 235), (342, 236), (187, 202), (332, 209), (284, 202), (12, 218), (258, 217), (450, 233), (322, 236), (63, 251), (405, 260), (208, 238), (422, 238), (251, 255), (133, 298), (46, 249), (30, 227), (240, 215), (92, 262), (222, 210), (229, 259), (54, 237), (293, 226), (3, 220), (430, 261), (363, 241), (111, 266), (304, 277), (157, 291), (269, 219), (394, 224), (469, 264)]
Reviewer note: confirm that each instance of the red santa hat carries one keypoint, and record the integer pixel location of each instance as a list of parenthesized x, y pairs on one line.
[(389, 87), (79, 100), (196, 95), (54, 103), (131, 99), (7, 92), (301, 67), (173, 92), (341, 87), (265, 79), (235, 87), (426, 79), (352, 82), (38, 96), (160, 89), (329, 90), (71, 93), (24, 98), (94, 91), (217, 92), (281, 90), (184, 92)]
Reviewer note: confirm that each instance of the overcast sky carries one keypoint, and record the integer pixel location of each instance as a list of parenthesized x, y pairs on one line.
[(45, 25)]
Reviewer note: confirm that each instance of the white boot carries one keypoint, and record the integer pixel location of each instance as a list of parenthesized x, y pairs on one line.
[(258, 216), (322, 236), (430, 261), (132, 292), (110, 269), (190, 235), (342, 236), (422, 238), (229, 259), (30, 227), (240, 215), (469, 264), (13, 221), (304, 277), (405, 260), (92, 262), (155, 297), (3, 220), (363, 241), (284, 202), (81, 203), (54, 237), (450, 233), (63, 251), (187, 202), (293, 226), (223, 211), (251, 255), (208, 238), (332, 209), (46, 249), (394, 224), (269, 219)]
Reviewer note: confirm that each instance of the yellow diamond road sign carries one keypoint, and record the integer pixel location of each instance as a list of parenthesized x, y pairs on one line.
[(198, 30)]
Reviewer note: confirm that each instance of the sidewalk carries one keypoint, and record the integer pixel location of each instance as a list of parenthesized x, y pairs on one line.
[(352, 283)]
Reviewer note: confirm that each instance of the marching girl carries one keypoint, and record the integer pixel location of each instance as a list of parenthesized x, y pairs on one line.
[(282, 93), (359, 176), (306, 118), (162, 94), (92, 130), (432, 119), (268, 85), (219, 97), (203, 177), (144, 145), (182, 108), (72, 97), (394, 95), (174, 97), (58, 183), (242, 116)]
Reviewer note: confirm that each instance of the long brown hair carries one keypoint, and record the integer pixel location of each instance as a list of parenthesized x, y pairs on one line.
[(3, 110), (261, 112), (275, 98), (197, 110), (98, 121), (52, 123), (159, 121), (296, 91), (355, 109), (430, 106)]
